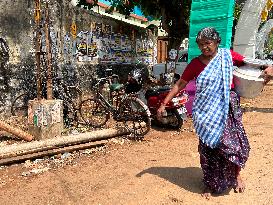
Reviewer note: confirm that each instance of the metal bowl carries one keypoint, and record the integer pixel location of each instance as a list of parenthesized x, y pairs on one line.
[(247, 81)]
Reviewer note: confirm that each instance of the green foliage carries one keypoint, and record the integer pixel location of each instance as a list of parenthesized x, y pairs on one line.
[(270, 14), (174, 14), (237, 11), (152, 8), (269, 43), (86, 5), (148, 7)]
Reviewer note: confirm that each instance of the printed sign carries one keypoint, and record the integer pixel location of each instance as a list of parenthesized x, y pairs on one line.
[(73, 30)]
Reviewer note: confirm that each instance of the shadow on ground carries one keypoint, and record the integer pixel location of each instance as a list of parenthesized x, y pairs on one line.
[(188, 178), (163, 128)]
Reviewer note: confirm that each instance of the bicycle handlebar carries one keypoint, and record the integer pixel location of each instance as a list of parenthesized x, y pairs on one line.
[(99, 81)]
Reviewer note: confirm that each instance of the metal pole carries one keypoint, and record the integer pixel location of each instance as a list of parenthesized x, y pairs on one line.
[(49, 56), (38, 47)]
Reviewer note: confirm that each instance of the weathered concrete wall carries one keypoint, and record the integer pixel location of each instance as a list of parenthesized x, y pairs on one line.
[(17, 29)]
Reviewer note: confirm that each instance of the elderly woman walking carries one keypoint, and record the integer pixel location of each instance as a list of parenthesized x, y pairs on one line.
[(217, 117)]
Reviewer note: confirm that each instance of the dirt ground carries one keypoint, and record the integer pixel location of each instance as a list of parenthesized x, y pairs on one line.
[(162, 169)]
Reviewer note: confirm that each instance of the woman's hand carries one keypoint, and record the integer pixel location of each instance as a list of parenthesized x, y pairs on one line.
[(268, 74), (179, 85), (269, 71)]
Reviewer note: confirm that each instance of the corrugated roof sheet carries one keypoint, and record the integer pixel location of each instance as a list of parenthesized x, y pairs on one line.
[(213, 13)]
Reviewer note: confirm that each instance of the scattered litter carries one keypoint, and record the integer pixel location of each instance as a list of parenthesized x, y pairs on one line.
[(65, 155), (38, 160), (89, 151), (120, 141), (35, 171), (75, 132), (28, 164)]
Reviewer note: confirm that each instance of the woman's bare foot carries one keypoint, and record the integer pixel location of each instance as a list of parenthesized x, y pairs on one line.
[(240, 188), (206, 193)]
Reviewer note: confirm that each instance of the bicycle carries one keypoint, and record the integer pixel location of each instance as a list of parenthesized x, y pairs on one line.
[(125, 107), (71, 96)]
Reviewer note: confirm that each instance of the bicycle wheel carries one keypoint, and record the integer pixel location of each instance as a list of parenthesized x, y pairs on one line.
[(94, 113), (19, 106), (75, 96), (70, 115), (135, 116), (71, 101)]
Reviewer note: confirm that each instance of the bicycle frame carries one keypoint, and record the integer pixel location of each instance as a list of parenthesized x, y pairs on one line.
[(114, 110), (107, 104), (127, 108)]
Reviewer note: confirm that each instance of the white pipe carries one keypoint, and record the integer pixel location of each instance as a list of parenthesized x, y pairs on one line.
[(262, 36)]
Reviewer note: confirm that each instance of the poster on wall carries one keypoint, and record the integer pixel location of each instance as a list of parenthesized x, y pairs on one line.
[(115, 49), (145, 50), (106, 30), (126, 49), (116, 41), (67, 49), (93, 47), (98, 30), (115, 45), (105, 51), (101, 45), (87, 47)]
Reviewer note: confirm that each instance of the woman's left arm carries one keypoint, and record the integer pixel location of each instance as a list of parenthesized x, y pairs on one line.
[(268, 74)]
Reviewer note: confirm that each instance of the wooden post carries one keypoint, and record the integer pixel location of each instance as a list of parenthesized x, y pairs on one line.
[(60, 141), (38, 47), (15, 131), (54, 151), (49, 56)]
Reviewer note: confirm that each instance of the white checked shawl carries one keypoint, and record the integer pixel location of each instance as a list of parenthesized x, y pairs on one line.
[(211, 104)]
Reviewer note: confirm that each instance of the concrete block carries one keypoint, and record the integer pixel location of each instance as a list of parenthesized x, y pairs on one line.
[(45, 118)]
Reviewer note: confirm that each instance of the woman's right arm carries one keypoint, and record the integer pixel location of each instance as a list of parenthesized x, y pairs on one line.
[(179, 85), (188, 74)]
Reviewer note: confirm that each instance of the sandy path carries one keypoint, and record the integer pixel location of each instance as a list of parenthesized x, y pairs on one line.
[(164, 169)]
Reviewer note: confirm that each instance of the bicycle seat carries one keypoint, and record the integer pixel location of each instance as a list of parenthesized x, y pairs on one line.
[(155, 91), (108, 71)]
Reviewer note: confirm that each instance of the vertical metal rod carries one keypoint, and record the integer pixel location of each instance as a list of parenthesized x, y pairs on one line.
[(38, 47), (49, 56), (167, 59)]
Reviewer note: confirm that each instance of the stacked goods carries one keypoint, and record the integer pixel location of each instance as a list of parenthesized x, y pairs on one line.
[(210, 13)]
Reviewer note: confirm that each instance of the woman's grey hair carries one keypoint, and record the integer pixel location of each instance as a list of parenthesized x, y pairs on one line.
[(208, 33)]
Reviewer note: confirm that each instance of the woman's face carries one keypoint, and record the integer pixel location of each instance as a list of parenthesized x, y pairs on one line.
[(208, 47)]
